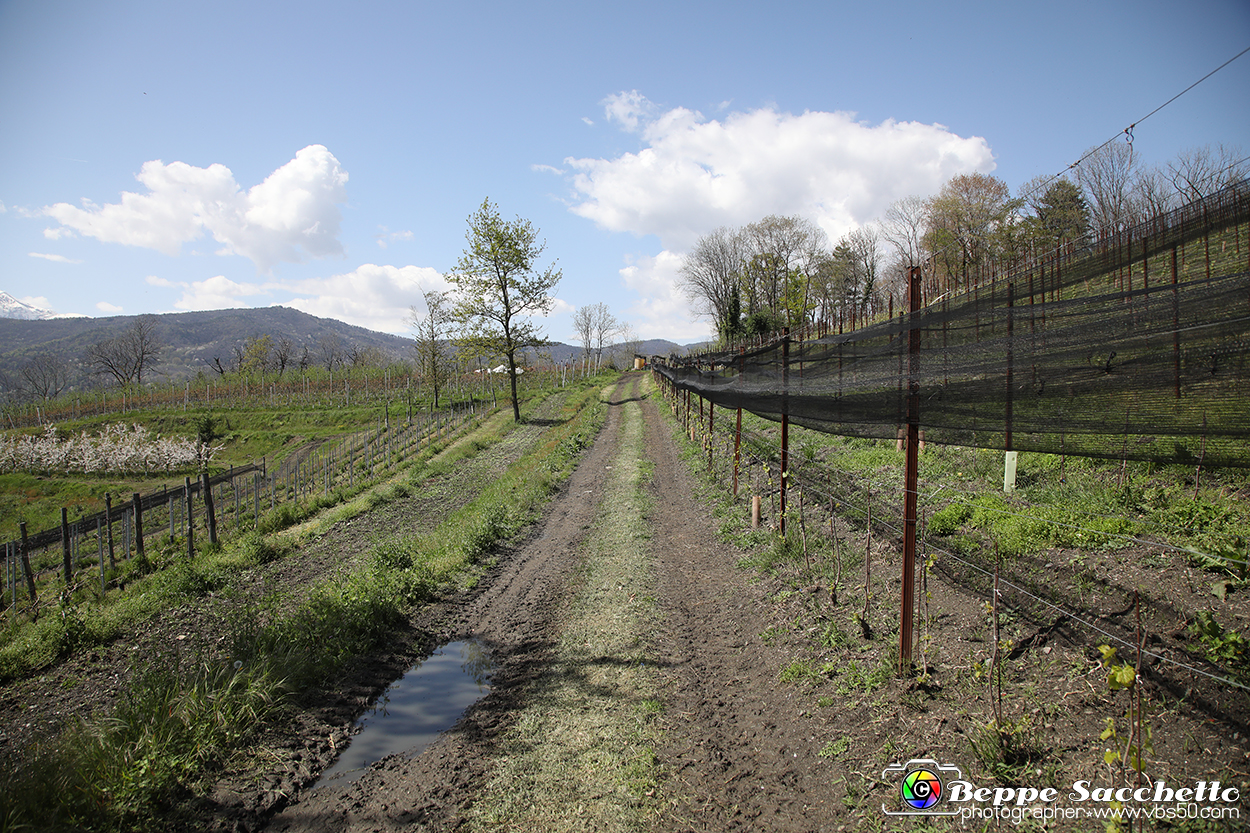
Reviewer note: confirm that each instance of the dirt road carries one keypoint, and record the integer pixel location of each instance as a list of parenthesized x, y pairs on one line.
[(735, 751)]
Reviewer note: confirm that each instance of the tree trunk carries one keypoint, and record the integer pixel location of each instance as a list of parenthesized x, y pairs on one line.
[(516, 403)]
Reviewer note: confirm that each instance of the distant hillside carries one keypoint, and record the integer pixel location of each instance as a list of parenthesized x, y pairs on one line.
[(193, 341)]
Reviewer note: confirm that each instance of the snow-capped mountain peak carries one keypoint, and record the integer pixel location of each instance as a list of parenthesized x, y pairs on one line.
[(10, 307)]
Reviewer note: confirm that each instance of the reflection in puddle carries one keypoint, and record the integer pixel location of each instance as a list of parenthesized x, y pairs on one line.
[(427, 700)]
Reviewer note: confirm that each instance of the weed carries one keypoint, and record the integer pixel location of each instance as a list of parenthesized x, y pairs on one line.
[(1225, 648), (949, 518), (1007, 750), (834, 748)]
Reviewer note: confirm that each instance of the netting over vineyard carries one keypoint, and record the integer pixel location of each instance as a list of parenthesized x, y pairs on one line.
[(1135, 348)]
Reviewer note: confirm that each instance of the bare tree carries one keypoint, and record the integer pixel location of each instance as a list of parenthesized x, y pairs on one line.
[(711, 274), (864, 245), (432, 335), (362, 356), (1201, 172), (584, 327), (44, 376), (127, 355), (1108, 176), (629, 344), (604, 328), (283, 353), (903, 227), (330, 350)]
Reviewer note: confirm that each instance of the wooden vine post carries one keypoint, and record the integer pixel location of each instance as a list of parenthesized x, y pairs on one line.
[(207, 486), (911, 475), (30, 575), (140, 553), (186, 494), (67, 556)]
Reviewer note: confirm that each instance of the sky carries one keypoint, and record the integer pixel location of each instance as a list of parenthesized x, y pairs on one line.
[(164, 157)]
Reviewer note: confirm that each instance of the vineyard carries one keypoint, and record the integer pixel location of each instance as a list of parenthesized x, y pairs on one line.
[(1004, 532)]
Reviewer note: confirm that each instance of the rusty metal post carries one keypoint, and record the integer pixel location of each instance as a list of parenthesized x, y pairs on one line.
[(738, 429), (1011, 296), (785, 427), (911, 476)]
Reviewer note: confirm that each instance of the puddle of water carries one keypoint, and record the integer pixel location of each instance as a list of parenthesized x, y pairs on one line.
[(415, 709)]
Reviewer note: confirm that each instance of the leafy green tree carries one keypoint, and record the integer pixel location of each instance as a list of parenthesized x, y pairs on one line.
[(1062, 213), (255, 358), (498, 288), (966, 222)]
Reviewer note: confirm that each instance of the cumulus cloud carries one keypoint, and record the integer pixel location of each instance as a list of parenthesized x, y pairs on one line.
[(289, 217), (107, 308), (215, 293), (694, 174), (662, 311), (54, 258), (373, 296)]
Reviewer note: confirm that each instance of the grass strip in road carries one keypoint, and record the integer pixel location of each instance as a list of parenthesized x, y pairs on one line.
[(581, 754)]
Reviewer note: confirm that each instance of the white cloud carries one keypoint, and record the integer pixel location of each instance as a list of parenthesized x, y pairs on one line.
[(629, 109), (694, 174), (37, 301), (388, 236), (153, 280), (215, 293), (2, 208), (373, 296), (54, 258), (106, 307), (290, 216), (662, 311)]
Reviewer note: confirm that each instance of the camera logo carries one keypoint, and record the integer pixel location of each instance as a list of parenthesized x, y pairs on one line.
[(921, 786)]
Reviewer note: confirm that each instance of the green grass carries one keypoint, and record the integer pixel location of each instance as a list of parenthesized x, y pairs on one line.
[(581, 754), (179, 718)]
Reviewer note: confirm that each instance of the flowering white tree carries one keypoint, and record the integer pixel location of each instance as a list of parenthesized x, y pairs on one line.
[(117, 449)]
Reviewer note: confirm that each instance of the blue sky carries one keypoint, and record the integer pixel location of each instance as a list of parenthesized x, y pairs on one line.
[(158, 157)]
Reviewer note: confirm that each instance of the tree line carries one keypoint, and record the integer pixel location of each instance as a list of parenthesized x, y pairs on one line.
[(781, 271)]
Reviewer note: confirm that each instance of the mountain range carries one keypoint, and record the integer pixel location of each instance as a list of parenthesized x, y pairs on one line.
[(195, 342)]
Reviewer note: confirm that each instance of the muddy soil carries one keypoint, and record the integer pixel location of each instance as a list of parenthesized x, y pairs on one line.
[(741, 751)]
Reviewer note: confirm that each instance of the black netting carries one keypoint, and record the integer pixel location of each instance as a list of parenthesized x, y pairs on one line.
[(1134, 348)]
